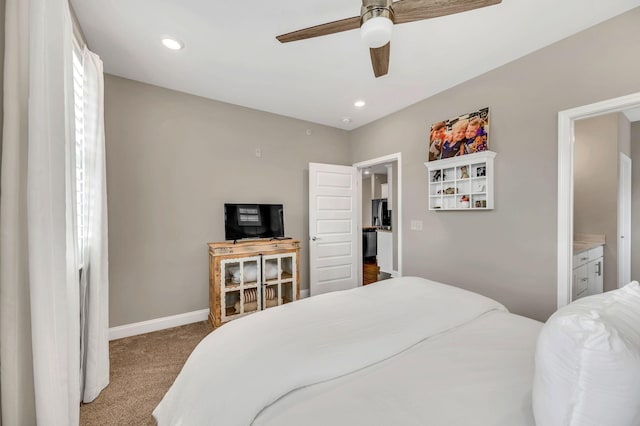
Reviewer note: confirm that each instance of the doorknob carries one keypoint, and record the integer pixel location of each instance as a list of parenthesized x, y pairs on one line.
[(314, 238)]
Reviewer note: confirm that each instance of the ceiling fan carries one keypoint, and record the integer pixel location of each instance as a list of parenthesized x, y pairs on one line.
[(376, 21)]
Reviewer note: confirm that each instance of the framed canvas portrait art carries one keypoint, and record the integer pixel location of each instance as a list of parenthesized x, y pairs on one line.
[(465, 134)]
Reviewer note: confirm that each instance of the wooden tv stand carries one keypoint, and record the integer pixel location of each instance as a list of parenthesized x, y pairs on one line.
[(249, 276)]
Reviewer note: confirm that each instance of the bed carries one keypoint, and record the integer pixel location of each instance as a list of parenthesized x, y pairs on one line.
[(405, 351)]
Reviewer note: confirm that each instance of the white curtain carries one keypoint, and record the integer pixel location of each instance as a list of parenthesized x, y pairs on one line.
[(16, 364), (53, 273), (94, 278), (40, 375)]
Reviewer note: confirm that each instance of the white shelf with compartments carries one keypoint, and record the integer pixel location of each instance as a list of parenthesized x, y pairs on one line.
[(462, 183)]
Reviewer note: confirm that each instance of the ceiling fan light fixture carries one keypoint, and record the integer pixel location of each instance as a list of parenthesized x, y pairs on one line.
[(376, 32), (376, 22)]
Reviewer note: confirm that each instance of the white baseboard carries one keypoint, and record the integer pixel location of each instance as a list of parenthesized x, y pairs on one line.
[(142, 327), (157, 324)]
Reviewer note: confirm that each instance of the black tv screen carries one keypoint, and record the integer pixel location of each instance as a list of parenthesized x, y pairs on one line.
[(253, 221)]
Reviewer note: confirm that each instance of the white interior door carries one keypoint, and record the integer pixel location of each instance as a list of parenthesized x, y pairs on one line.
[(333, 228), (624, 221)]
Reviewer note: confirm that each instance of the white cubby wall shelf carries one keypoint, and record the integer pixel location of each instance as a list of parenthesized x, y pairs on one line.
[(462, 183)]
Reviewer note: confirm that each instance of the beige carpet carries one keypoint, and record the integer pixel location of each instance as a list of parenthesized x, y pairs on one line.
[(142, 369)]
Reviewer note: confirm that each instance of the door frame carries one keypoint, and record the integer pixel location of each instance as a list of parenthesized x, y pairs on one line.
[(624, 215), (566, 141), (397, 157)]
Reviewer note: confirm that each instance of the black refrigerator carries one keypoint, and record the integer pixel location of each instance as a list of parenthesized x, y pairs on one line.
[(380, 214)]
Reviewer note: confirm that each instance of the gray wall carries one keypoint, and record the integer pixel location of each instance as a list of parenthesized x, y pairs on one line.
[(635, 201), (595, 190), (173, 160), (509, 253), (624, 134)]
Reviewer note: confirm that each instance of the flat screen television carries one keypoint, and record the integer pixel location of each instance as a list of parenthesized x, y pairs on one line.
[(242, 221)]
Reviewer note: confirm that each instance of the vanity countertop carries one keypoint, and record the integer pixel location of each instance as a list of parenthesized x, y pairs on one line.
[(580, 246), (584, 242)]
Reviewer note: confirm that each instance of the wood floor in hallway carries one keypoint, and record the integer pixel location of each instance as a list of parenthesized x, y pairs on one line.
[(369, 272)]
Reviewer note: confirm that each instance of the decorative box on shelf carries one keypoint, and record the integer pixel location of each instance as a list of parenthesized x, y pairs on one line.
[(462, 183)]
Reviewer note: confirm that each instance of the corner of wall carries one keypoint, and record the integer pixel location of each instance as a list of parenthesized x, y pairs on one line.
[(624, 134)]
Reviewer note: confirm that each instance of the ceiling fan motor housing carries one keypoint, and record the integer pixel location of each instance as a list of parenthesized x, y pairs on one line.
[(376, 8)]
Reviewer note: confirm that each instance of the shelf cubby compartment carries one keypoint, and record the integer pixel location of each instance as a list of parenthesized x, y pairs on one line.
[(449, 202), (448, 174), (462, 172), (271, 295), (435, 202), (241, 273), (479, 185), (434, 189), (272, 269), (463, 187), (287, 293), (479, 201), (478, 170), (463, 201), (232, 303), (468, 175), (288, 268)]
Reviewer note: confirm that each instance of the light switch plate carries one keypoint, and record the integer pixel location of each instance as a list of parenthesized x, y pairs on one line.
[(416, 225)]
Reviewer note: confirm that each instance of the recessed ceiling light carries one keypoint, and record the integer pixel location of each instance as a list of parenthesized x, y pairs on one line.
[(172, 44), (359, 104), (346, 120)]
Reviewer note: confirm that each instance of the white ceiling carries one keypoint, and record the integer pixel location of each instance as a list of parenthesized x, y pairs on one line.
[(379, 169), (231, 53)]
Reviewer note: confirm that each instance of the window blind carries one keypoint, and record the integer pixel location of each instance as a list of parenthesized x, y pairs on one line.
[(81, 196)]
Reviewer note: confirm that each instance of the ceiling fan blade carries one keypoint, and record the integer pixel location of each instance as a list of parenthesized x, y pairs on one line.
[(380, 60), (417, 10), (321, 30)]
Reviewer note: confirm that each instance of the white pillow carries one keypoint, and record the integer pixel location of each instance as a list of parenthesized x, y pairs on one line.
[(270, 271), (587, 366), (251, 272)]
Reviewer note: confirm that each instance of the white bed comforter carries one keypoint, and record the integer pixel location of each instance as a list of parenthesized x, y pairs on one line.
[(478, 374), (246, 365)]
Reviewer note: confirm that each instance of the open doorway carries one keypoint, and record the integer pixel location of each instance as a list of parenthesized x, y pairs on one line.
[(566, 188), (380, 218)]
